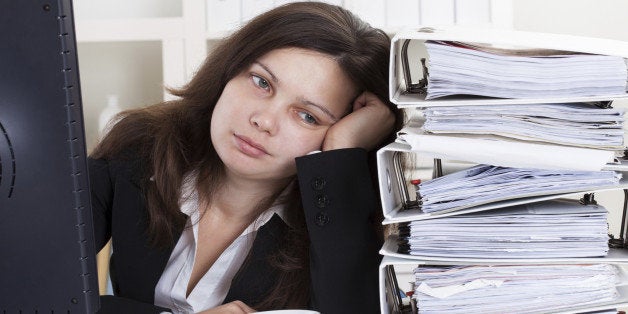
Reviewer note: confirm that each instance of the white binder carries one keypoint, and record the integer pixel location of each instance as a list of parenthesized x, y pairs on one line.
[(394, 192), (621, 302), (398, 83), (614, 256)]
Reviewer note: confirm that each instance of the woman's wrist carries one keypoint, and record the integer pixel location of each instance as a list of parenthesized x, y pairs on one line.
[(332, 143)]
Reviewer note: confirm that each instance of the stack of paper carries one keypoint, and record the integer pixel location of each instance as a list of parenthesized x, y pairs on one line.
[(575, 124), (457, 68), (513, 289), (538, 125), (483, 184), (551, 229)]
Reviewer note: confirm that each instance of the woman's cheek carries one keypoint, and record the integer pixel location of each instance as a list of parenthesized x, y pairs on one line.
[(305, 141)]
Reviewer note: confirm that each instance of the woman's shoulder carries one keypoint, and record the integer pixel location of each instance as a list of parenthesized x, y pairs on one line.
[(129, 162)]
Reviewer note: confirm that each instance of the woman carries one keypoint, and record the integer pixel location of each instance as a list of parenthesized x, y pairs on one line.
[(199, 195)]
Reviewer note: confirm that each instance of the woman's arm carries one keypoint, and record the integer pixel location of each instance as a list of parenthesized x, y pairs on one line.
[(338, 199)]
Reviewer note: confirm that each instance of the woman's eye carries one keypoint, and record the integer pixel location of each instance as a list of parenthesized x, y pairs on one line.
[(307, 118), (260, 82)]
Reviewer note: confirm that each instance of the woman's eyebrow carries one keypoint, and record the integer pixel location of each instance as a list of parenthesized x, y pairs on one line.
[(272, 75), (320, 107)]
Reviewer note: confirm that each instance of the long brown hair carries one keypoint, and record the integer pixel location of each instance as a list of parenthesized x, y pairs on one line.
[(172, 138)]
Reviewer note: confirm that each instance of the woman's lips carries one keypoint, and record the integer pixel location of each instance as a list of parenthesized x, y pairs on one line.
[(249, 147)]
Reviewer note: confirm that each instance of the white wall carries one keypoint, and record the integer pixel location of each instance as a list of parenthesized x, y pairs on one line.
[(129, 70), (606, 19), (120, 9)]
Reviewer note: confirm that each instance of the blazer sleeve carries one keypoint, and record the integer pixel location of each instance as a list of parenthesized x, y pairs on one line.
[(101, 198), (338, 198)]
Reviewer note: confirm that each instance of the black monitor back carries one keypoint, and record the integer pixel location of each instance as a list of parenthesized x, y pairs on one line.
[(47, 256)]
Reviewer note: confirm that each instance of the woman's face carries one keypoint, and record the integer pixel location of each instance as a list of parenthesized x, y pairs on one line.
[(277, 109)]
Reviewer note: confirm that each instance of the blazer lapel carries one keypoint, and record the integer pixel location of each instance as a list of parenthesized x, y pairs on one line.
[(257, 276)]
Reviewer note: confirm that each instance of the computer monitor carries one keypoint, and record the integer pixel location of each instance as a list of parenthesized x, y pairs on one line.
[(47, 254)]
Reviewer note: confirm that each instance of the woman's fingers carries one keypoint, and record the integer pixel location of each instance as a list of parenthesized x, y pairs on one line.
[(370, 123)]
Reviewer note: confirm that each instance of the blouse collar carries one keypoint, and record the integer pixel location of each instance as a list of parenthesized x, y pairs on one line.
[(189, 204)]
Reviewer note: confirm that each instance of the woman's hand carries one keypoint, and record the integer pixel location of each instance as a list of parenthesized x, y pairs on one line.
[(235, 307), (370, 123)]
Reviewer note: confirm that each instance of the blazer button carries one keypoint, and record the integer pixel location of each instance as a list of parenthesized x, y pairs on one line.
[(322, 218), (322, 201), (318, 183)]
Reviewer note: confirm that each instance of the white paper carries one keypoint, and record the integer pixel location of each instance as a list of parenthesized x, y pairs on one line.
[(573, 124), (550, 229), (484, 184), (447, 291), (463, 70), (526, 288)]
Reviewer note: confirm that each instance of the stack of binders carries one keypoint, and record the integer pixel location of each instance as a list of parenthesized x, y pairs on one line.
[(518, 130)]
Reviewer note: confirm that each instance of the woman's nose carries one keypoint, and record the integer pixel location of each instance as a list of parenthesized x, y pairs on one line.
[(264, 121)]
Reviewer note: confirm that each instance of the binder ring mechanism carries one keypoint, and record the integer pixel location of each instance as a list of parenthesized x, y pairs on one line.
[(406, 202), (622, 241), (412, 88)]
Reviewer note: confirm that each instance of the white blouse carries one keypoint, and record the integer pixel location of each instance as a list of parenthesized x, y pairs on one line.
[(212, 288)]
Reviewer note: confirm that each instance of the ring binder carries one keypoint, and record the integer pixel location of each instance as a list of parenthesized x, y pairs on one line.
[(408, 93), (392, 293), (620, 242), (406, 203)]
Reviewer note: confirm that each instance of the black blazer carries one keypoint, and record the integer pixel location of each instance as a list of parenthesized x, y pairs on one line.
[(338, 198)]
